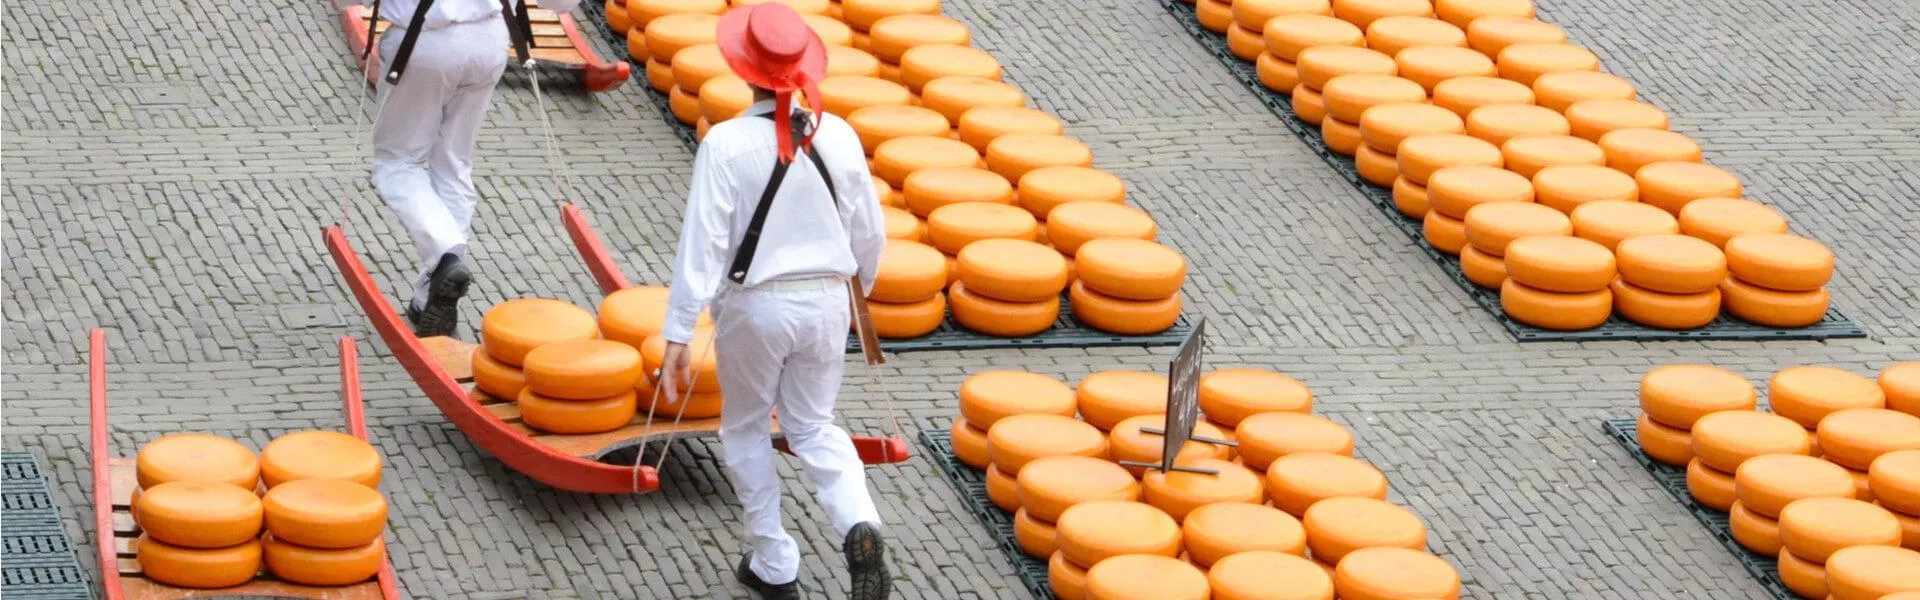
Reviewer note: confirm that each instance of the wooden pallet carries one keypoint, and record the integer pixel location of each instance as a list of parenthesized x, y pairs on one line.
[(556, 42)]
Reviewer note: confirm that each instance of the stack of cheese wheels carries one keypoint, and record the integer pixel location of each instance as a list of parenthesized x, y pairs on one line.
[(1180, 491), (1894, 482), (1900, 382), (1016, 440), (1229, 396), (1491, 227), (1609, 222), (1872, 571), (1296, 481), (1044, 189), (1673, 184), (1336, 527), (882, 122), (1109, 397), (1668, 281), (1384, 572), (1048, 486), (1269, 436), (1722, 440), (1007, 287), (1089, 533), (683, 44), (1558, 282), (1766, 484), (1319, 65), (1463, 95), (906, 300), (1125, 285), (1814, 530), (1492, 34), (581, 386), (1128, 442), (1856, 437), (1718, 220), (1257, 574), (641, 14), (512, 329), (1246, 33), (1566, 187), (197, 507), (701, 400), (1808, 393), (1420, 156), (989, 396), (1594, 118), (1674, 397), (1384, 127), (1452, 191), (922, 25), (324, 531), (1347, 98), (1630, 148), (1216, 531), (1777, 279), (1147, 577), (1286, 36)]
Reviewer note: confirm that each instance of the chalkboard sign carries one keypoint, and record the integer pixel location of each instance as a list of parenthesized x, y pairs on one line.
[(1183, 394)]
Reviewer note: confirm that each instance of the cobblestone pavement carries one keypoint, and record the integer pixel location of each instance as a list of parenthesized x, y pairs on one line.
[(168, 170)]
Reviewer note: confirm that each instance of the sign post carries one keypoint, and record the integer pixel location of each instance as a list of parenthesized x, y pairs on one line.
[(1183, 404)]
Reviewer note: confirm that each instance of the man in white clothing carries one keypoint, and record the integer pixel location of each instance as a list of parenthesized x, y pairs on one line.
[(780, 215), (434, 94)]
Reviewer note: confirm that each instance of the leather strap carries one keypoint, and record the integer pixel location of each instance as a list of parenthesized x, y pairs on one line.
[(519, 27), (750, 243)]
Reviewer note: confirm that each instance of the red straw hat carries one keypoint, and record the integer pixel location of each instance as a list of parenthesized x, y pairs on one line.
[(770, 47)]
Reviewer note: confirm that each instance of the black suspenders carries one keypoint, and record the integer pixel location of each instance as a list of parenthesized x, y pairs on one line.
[(519, 29), (743, 257)]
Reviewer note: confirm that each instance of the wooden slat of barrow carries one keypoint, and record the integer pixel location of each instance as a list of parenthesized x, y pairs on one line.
[(122, 477), (455, 356), (142, 589), (566, 56), (552, 41)]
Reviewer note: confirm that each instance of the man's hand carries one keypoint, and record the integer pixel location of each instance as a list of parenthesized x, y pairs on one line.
[(676, 370)]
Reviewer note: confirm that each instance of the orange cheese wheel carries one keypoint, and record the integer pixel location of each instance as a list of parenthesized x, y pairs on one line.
[(844, 94), (989, 396), (901, 225), (1308, 105), (1526, 62), (891, 37), (1364, 12), (909, 272), (556, 415), (1609, 222), (1482, 269), (1342, 137), (1421, 156), (1464, 94), (196, 457), (1125, 317), (1813, 528), (1806, 394), (1454, 190), (1338, 526), (1567, 186), (1375, 167), (1123, 267), (1629, 149), (1766, 484), (637, 53), (323, 567), (1217, 17), (1718, 220), (1462, 13), (899, 157), (1493, 34), (1033, 536), (1289, 35), (1228, 396), (1679, 395), (1179, 492), (1388, 573), (1258, 574), (1529, 154), (1126, 442), (1773, 308), (928, 189), (1253, 15), (1068, 581), (319, 455), (1872, 572), (1780, 261), (659, 74), (1410, 198), (1725, 439), (1216, 531), (1671, 185), (1562, 89), (981, 124), (1429, 66), (863, 15), (1244, 44), (496, 378), (1671, 263), (1275, 73), (1391, 35), (1855, 437), (197, 568), (911, 319), (705, 362), (952, 227), (513, 328), (804, 7), (1296, 481), (1043, 189), (1090, 532), (1909, 530), (1015, 154), (723, 98), (877, 124), (1048, 486), (998, 318), (325, 513), (1444, 233), (1559, 311), (1559, 264), (1901, 384), (667, 35), (1320, 64), (1385, 126), (1894, 479), (583, 369), (1862, 485), (1492, 226), (628, 316), (200, 514), (695, 66), (848, 61), (832, 32), (1267, 436), (1109, 397), (617, 16), (1756, 532), (1146, 577), (690, 406), (1662, 443), (928, 62), (1001, 489), (1594, 118), (1808, 579), (1710, 487), (1016, 440), (969, 444), (954, 96), (1497, 123)]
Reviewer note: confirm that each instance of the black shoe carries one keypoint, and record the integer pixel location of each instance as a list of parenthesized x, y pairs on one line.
[(785, 591), (867, 563), (445, 288)]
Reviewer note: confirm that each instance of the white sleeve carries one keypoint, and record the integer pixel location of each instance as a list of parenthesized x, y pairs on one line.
[(700, 263), (866, 224)]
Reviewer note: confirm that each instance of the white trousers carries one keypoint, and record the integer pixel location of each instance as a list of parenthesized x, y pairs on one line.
[(423, 141), (783, 346)]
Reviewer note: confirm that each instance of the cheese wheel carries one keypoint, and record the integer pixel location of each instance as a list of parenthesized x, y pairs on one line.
[(1347, 96), (953, 226), (929, 189), (1338, 526), (987, 397), (1901, 384), (1253, 15), (556, 415), (1376, 167), (583, 369), (1766, 484), (969, 444), (1307, 104), (1662, 443), (998, 318), (1072, 225), (1179, 492), (899, 157), (323, 567), (1671, 264), (1421, 156), (1389, 573), (1909, 530), (617, 16), (1126, 442), (1043, 189), (1894, 479), (667, 35), (695, 66), (1854, 437), (954, 96), (1229, 396), (1567, 186), (1453, 190), (1808, 579), (1773, 308), (705, 362), (1497, 123), (1725, 439), (1124, 268), (1429, 66), (1034, 537), (1813, 528), (1108, 397), (1342, 137), (1526, 62), (832, 32), (325, 513), (1559, 311), (659, 74), (1146, 577), (1320, 64), (1244, 44), (1121, 316), (1758, 533), (891, 37), (196, 457), (845, 61), (1594, 118), (1562, 89), (928, 62), (1482, 269), (901, 225), (909, 272), (1048, 486), (1267, 436), (1259, 574), (1275, 73), (863, 15), (1016, 440), (1710, 487), (1462, 13), (1780, 261), (877, 124), (911, 319), (1444, 233), (1561, 264), (1410, 198), (1629, 149), (983, 123), (1289, 35), (1679, 395), (1090, 532), (723, 98), (637, 53), (1364, 12), (1215, 16), (1493, 34), (1216, 531), (1872, 572), (804, 7), (320, 455), (1806, 394), (1610, 222), (1391, 35), (628, 316), (200, 514), (844, 94), (513, 328), (1066, 580), (197, 568), (495, 378), (1529, 154), (1718, 220), (1297, 481), (1015, 154), (1385, 126), (1671, 185), (1491, 227), (1464, 94), (1001, 489)]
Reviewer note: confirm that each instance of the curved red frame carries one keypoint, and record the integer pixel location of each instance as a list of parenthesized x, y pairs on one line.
[(102, 480), (600, 75)]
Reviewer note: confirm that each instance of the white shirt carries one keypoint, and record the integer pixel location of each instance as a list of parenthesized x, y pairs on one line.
[(448, 12), (804, 236)]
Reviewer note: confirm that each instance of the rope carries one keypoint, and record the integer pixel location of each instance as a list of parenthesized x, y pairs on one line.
[(876, 381), (654, 404), (360, 124), (562, 177)]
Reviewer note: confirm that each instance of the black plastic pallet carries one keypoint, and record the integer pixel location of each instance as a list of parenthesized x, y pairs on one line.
[(1834, 325), (973, 489), (1674, 480), (37, 561)]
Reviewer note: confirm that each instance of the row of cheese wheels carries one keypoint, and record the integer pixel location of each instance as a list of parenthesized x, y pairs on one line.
[(1293, 487), (1486, 105), (572, 373), (203, 502)]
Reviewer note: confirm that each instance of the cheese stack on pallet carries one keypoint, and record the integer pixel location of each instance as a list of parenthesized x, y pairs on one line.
[(1090, 533), (324, 514), (583, 386), (641, 14), (1016, 440), (1419, 157), (198, 510), (1048, 487), (1808, 394), (671, 40), (1246, 29), (1767, 484), (1348, 97), (1491, 228), (1286, 36), (1778, 279), (989, 396), (1674, 397), (906, 300), (1124, 285), (1816, 531), (864, 15), (1009, 286), (1669, 281), (1723, 440), (1383, 128)]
